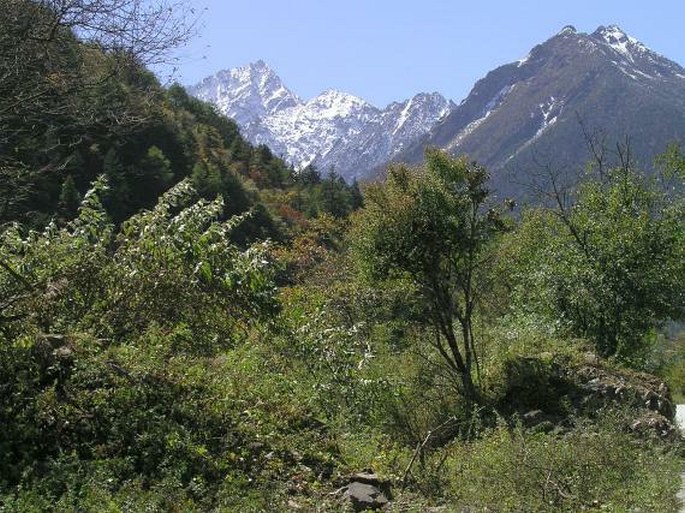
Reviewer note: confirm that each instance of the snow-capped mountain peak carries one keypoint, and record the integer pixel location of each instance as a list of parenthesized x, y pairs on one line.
[(332, 103), (632, 57), (624, 44), (614, 35), (534, 112), (332, 130), (247, 93)]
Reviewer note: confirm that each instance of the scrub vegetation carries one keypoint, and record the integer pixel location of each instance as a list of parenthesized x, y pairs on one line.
[(189, 324)]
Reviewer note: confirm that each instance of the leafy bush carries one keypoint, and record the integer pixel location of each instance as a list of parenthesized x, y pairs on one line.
[(609, 266), (124, 374)]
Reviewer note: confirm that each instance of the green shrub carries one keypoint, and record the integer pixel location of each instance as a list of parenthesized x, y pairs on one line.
[(592, 466)]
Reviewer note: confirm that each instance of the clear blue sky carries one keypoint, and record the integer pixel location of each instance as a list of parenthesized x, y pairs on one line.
[(385, 50)]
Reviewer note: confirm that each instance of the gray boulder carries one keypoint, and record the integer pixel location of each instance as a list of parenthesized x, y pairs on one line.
[(364, 496)]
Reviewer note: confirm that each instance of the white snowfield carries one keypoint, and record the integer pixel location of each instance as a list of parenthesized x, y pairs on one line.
[(333, 130)]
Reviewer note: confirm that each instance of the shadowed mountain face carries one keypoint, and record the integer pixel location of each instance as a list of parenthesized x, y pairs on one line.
[(540, 111)]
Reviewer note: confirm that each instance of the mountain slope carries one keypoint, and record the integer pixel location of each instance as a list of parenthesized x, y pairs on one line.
[(334, 130), (539, 111)]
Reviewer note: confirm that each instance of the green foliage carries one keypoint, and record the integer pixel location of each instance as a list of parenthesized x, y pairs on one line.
[(430, 226), (69, 198), (668, 361), (128, 371), (336, 356), (593, 466), (155, 171), (162, 267), (66, 103), (672, 163), (171, 266), (141, 423), (72, 112), (336, 197), (610, 267), (206, 114), (328, 195), (148, 361)]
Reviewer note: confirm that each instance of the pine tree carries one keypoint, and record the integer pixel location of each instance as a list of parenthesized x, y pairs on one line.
[(118, 198), (69, 199), (152, 176)]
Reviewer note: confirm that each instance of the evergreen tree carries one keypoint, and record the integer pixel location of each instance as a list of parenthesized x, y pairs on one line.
[(69, 199), (334, 195), (356, 197), (153, 176), (309, 175), (206, 180), (118, 197)]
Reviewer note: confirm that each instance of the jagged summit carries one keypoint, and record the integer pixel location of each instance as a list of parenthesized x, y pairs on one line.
[(332, 130), (337, 103), (610, 33), (260, 65), (567, 30), (518, 115), (247, 93), (613, 34), (620, 41)]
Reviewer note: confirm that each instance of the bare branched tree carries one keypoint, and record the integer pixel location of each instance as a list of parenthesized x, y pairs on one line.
[(39, 54), (147, 29), (552, 182)]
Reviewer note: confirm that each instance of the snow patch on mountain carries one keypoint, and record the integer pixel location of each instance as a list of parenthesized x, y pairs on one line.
[(308, 131), (522, 61), (550, 110), (621, 42), (498, 98), (633, 58)]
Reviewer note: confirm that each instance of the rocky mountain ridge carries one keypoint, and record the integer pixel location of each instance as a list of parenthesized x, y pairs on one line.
[(538, 112), (333, 130)]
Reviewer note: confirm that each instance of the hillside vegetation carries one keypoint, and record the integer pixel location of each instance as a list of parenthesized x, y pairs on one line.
[(188, 325)]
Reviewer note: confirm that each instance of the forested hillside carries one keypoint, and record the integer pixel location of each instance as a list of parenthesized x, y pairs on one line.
[(73, 111), (188, 325)]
